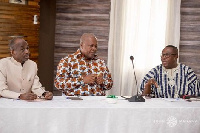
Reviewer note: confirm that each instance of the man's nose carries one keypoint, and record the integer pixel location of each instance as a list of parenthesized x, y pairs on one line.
[(26, 51), (94, 48)]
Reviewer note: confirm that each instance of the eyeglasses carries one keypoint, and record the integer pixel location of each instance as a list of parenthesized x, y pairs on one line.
[(167, 55)]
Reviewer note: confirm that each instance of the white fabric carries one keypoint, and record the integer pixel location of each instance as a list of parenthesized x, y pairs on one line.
[(16, 79), (140, 28), (96, 115)]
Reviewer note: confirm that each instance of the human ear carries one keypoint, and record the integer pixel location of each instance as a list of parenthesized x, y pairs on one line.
[(12, 52), (81, 45), (176, 56)]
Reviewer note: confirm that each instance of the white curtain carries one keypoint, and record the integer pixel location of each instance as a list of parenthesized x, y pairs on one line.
[(140, 28)]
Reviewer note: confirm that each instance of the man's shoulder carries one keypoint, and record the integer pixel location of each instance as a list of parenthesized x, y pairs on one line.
[(31, 62), (158, 67), (5, 60), (67, 57), (185, 67), (73, 56), (100, 59), (181, 64)]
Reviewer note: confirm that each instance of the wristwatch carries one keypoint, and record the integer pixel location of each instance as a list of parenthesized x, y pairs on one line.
[(44, 94)]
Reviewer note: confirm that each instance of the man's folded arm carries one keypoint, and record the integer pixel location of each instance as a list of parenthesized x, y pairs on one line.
[(37, 87), (4, 91), (63, 83)]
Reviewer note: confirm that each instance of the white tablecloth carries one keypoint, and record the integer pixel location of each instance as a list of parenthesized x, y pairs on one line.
[(96, 115)]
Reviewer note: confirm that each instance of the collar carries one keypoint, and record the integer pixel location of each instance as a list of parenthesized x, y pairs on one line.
[(16, 62), (173, 69), (80, 55)]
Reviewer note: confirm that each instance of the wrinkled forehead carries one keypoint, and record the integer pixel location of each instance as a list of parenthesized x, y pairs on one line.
[(90, 40), (20, 43)]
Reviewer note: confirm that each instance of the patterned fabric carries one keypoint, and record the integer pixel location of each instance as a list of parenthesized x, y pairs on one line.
[(73, 68), (178, 81)]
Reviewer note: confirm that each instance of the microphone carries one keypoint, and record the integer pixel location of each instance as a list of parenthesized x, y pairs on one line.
[(135, 98)]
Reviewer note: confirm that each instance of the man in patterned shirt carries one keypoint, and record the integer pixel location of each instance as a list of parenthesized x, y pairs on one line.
[(82, 73), (170, 79)]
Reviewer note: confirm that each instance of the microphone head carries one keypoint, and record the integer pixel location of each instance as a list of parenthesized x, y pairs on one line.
[(131, 57)]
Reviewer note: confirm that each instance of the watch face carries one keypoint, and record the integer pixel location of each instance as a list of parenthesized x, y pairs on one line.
[(44, 94)]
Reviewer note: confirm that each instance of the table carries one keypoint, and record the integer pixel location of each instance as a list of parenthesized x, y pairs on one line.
[(94, 114)]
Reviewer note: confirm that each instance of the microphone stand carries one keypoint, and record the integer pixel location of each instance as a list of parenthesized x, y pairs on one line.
[(137, 97)]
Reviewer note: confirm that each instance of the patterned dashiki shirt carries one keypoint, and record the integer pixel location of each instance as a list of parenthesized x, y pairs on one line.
[(71, 70), (172, 82)]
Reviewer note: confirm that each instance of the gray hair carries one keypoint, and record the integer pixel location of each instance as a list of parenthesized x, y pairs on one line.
[(13, 41)]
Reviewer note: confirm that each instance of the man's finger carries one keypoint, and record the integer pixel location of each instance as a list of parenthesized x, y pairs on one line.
[(49, 96)]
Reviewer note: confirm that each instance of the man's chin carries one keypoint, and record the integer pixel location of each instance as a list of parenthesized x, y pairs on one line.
[(165, 65), (25, 59), (90, 57)]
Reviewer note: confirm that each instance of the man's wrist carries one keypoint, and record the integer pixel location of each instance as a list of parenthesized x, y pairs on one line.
[(44, 94), (147, 89), (19, 96)]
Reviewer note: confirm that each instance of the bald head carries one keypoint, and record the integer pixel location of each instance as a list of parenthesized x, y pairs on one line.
[(88, 45), (86, 36), (16, 41)]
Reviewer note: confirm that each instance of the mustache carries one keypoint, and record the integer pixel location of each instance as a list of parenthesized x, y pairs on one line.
[(28, 54)]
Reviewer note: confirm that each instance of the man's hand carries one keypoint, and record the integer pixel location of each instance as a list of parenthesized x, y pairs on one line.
[(48, 95), (147, 87), (28, 96), (99, 79), (89, 79), (152, 81)]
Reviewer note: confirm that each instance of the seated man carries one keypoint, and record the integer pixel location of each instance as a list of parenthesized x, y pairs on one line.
[(18, 74), (170, 79), (82, 73)]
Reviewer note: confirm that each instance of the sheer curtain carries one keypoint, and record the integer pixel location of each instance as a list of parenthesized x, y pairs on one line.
[(140, 28)]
